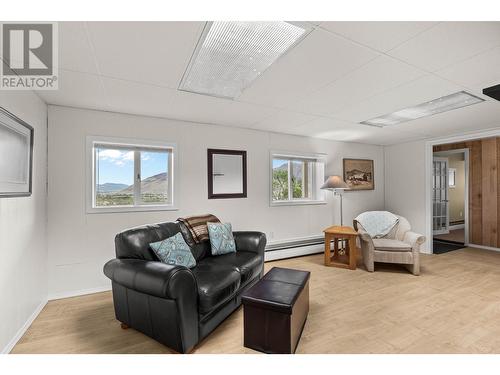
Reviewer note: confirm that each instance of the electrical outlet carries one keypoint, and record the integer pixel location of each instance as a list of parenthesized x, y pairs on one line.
[(271, 235), (461, 213)]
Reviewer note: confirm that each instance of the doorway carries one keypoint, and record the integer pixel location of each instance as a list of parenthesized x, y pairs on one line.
[(450, 200)]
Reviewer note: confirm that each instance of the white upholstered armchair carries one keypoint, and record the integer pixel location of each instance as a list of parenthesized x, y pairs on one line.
[(400, 245)]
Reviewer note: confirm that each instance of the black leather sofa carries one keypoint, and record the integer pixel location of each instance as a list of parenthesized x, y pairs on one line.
[(175, 305)]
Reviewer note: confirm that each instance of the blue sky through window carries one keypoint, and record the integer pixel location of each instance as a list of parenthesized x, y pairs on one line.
[(153, 163), (278, 163), (117, 166)]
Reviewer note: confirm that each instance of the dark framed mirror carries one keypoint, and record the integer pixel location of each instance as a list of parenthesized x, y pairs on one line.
[(227, 173)]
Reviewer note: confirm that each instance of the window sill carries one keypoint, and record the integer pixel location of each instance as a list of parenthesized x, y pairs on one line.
[(106, 210), (297, 203)]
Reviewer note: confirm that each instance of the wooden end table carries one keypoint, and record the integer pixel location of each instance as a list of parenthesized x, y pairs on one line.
[(345, 235)]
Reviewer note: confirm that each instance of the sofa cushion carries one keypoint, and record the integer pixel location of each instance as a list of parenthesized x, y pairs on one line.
[(248, 264), (386, 244), (217, 283)]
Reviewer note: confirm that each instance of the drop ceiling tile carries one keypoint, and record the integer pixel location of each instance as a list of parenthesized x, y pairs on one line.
[(382, 36), (448, 43), (82, 90), (350, 132), (481, 116), (478, 72), (75, 52), (207, 109), (419, 91), (283, 121), (321, 125), (320, 58), (137, 98), (377, 76), (378, 136), (147, 52)]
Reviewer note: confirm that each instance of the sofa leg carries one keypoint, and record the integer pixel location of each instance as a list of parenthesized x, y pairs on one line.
[(124, 326)]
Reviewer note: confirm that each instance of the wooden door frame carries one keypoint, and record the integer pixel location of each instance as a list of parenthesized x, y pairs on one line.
[(428, 170)]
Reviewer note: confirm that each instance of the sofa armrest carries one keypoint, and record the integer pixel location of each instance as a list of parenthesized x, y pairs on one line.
[(254, 242), (152, 278), (413, 239)]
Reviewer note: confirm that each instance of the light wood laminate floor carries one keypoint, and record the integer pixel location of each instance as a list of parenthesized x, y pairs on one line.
[(453, 307)]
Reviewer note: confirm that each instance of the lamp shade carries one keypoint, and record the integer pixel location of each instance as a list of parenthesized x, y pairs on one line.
[(335, 182)]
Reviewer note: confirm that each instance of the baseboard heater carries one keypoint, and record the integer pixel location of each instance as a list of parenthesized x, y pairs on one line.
[(290, 244), (294, 247)]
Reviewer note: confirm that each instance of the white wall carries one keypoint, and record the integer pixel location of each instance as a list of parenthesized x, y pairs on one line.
[(81, 243), (23, 224), (405, 184)]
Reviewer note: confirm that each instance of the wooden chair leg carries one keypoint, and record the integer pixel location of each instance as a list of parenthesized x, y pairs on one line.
[(124, 326)]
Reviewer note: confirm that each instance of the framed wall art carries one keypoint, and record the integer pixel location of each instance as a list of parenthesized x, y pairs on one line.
[(359, 174), (16, 156)]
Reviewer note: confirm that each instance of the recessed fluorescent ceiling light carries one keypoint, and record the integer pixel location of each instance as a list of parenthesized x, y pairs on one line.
[(231, 55), (443, 104)]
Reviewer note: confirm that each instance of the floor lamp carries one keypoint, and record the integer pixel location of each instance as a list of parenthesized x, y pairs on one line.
[(336, 184)]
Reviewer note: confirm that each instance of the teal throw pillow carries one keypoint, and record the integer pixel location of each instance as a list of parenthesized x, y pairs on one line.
[(221, 238), (175, 251)]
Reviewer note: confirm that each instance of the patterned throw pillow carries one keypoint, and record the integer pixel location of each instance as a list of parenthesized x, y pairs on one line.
[(175, 251), (221, 238)]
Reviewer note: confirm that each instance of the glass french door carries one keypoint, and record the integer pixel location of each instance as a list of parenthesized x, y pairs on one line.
[(440, 204)]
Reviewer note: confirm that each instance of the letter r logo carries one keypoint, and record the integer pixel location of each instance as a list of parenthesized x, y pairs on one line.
[(28, 49)]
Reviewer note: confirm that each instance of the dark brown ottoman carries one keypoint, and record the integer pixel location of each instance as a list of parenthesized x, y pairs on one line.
[(275, 311)]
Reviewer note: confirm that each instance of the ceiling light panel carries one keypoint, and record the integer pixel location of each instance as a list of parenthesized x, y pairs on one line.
[(231, 55), (446, 103)]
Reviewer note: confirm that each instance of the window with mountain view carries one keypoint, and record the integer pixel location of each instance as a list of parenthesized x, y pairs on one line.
[(127, 175), (296, 179)]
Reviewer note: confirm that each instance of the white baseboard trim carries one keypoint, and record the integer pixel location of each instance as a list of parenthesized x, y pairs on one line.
[(293, 252), (23, 329), (76, 293), (458, 226), (483, 247)]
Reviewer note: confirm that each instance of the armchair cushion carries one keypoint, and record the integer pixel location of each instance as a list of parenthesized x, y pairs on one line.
[(385, 244)]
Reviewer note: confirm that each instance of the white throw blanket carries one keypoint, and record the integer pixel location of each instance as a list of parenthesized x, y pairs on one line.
[(377, 223)]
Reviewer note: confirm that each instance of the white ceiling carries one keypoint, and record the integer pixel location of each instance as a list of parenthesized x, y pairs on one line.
[(340, 74)]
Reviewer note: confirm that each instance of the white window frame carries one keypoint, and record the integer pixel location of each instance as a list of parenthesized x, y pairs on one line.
[(92, 141), (320, 199)]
